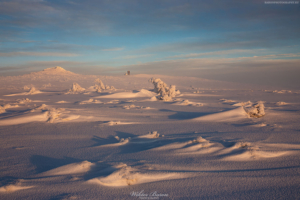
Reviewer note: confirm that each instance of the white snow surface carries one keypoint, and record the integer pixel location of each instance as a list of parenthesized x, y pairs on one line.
[(240, 142)]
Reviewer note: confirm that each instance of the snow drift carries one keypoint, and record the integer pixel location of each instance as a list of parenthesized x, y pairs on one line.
[(120, 95), (127, 175)]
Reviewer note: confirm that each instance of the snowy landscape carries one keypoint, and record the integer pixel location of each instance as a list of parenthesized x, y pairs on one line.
[(70, 136)]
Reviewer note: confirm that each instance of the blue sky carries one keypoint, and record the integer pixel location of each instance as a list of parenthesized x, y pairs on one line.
[(224, 40)]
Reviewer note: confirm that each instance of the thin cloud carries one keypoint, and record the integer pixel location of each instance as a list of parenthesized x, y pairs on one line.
[(225, 52), (114, 49), (41, 54), (287, 55), (191, 65), (135, 56)]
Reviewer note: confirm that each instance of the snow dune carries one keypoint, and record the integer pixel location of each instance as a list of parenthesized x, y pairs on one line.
[(31, 91), (227, 116), (120, 95), (76, 145), (126, 176), (30, 117), (74, 168), (41, 113), (13, 188)]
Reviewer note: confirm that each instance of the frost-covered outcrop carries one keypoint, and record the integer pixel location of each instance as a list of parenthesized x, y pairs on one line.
[(257, 110), (165, 93), (2, 109), (23, 101), (99, 86), (33, 90), (75, 89)]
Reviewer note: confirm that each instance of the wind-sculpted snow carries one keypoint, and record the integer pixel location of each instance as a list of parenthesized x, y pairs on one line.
[(31, 91), (165, 93), (226, 116), (75, 89), (74, 168), (90, 101), (281, 103), (132, 106), (14, 187), (99, 86), (187, 103), (257, 110), (214, 140), (126, 176), (123, 95), (41, 113), (153, 134), (238, 151)]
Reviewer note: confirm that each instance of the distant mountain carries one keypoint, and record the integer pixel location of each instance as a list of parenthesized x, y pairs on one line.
[(53, 71)]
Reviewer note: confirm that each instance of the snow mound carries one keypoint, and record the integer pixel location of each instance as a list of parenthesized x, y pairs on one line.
[(62, 102), (196, 146), (41, 113), (52, 113), (187, 102), (75, 89), (47, 85), (2, 109), (150, 135), (10, 106), (115, 101), (31, 91), (119, 142), (32, 117), (14, 187), (242, 151), (227, 116), (120, 95), (132, 106), (74, 168), (114, 123), (6, 106), (59, 115), (165, 93), (26, 87), (90, 101), (197, 92), (153, 98), (257, 110), (282, 91), (197, 140), (248, 103), (281, 103), (127, 175), (227, 100), (23, 101)]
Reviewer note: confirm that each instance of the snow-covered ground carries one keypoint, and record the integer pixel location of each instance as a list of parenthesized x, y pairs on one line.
[(70, 136)]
